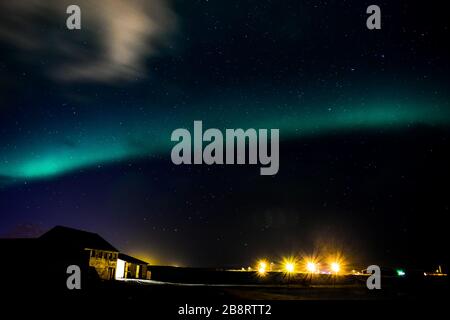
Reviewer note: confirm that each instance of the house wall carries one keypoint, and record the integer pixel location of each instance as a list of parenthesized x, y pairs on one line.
[(145, 272), (136, 271), (104, 262)]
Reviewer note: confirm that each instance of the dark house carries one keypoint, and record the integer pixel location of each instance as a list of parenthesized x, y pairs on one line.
[(45, 259), (84, 248)]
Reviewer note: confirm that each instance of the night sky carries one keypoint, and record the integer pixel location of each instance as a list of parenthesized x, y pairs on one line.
[(364, 118)]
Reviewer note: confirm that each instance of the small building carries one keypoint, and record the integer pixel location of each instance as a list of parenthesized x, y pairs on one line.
[(50, 254), (93, 251)]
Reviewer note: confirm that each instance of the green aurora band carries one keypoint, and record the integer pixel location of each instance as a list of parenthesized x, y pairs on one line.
[(41, 157)]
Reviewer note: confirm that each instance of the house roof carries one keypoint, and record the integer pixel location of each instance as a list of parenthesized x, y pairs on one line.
[(68, 237), (130, 259)]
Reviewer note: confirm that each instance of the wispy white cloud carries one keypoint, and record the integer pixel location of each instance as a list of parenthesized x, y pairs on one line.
[(116, 38)]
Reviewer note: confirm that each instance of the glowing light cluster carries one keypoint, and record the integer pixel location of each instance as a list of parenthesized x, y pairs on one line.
[(310, 264)]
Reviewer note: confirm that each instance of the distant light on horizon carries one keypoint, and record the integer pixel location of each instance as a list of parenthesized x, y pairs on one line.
[(262, 267), (289, 265), (311, 267), (401, 272), (335, 267)]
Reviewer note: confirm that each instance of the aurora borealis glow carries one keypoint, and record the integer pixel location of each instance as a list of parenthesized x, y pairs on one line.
[(46, 156)]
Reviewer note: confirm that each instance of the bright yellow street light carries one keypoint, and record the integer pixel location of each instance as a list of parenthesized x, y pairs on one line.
[(335, 267), (311, 267), (289, 267)]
